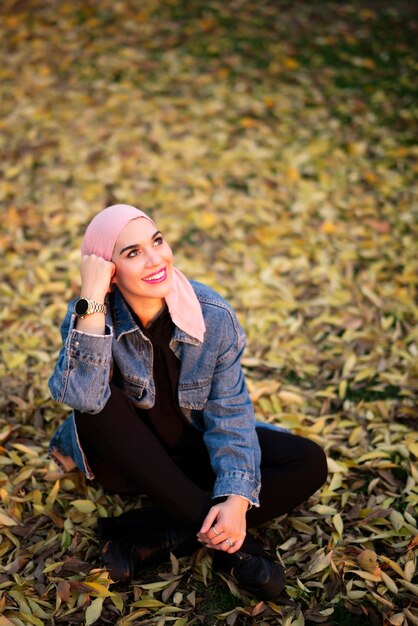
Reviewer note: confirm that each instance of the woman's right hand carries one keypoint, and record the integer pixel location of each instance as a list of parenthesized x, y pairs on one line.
[(96, 275)]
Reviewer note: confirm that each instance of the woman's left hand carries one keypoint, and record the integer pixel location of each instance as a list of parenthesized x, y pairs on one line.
[(224, 527)]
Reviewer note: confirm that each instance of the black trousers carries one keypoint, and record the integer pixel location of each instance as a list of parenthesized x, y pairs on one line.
[(127, 457)]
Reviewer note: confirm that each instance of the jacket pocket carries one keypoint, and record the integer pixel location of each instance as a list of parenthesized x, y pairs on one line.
[(194, 395), (132, 386)]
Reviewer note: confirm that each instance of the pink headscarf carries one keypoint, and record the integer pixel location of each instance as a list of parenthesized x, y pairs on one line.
[(100, 238)]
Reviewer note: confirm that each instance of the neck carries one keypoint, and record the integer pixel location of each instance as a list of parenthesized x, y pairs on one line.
[(148, 310)]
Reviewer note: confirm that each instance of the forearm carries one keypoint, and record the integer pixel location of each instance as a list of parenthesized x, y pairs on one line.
[(93, 324), (230, 434), (235, 455), (81, 375)]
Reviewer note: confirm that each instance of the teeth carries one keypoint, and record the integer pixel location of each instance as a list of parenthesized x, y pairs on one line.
[(156, 276)]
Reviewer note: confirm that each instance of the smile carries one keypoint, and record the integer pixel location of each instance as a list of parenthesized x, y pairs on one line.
[(158, 277)]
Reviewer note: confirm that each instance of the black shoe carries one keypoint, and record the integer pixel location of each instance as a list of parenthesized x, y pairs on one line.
[(119, 559), (122, 556), (260, 575)]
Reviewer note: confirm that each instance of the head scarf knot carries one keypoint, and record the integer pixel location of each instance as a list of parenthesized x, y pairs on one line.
[(100, 238)]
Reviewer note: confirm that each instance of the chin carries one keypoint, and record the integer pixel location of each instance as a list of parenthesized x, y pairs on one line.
[(159, 291)]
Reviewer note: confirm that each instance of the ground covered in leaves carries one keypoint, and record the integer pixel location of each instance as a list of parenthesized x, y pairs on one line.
[(274, 144)]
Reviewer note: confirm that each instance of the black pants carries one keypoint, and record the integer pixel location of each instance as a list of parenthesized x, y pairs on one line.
[(127, 457)]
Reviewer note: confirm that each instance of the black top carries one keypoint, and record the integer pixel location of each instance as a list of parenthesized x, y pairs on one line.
[(165, 418)]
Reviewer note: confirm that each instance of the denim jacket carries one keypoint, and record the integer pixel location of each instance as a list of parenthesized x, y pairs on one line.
[(212, 392)]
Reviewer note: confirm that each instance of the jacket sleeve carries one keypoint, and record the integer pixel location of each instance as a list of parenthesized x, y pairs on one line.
[(229, 422), (81, 375)]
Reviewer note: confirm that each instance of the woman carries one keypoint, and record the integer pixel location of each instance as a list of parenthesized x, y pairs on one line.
[(150, 364)]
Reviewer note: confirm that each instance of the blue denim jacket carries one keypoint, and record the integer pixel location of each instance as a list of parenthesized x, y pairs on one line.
[(212, 392)]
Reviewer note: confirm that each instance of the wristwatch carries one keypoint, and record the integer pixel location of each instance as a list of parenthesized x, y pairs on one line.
[(84, 307)]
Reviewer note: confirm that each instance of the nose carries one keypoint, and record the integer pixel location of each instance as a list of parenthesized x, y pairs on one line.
[(153, 258)]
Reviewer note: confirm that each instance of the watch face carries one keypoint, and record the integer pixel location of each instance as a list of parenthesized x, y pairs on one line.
[(81, 306)]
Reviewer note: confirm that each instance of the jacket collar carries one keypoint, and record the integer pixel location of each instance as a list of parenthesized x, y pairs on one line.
[(124, 323)]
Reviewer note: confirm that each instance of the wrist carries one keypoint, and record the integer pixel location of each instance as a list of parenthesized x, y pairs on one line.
[(91, 295), (85, 307), (239, 501)]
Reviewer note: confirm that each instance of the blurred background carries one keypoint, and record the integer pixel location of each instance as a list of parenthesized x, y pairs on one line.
[(274, 143)]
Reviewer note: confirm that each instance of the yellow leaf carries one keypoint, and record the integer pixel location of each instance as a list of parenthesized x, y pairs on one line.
[(328, 228), (334, 467), (319, 563), (5, 520), (32, 619), (52, 496), (397, 619), (323, 509), (397, 520), (84, 506), (290, 63), (52, 567), (356, 594), (301, 526), (94, 611), (158, 585), (292, 175), (355, 436), (14, 360), (376, 454), (396, 568), (367, 372), (409, 570), (413, 447), (389, 582), (372, 577), (349, 365), (248, 122), (289, 397), (338, 523), (410, 586), (412, 619), (207, 220), (99, 589), (342, 389)]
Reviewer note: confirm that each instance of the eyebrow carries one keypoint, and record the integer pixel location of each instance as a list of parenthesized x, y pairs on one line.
[(137, 245)]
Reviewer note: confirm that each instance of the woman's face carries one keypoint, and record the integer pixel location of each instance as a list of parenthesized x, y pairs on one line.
[(144, 263)]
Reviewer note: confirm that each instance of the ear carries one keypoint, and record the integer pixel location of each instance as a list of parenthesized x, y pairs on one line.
[(113, 279), (113, 282)]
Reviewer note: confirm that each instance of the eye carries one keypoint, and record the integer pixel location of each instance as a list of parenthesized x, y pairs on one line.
[(133, 253), (158, 241)]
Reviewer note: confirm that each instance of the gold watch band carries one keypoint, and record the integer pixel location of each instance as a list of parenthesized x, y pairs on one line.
[(84, 307), (96, 307)]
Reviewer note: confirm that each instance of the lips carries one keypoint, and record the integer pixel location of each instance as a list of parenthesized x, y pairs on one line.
[(156, 277)]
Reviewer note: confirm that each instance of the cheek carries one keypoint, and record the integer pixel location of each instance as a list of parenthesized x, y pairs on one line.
[(169, 254), (123, 272)]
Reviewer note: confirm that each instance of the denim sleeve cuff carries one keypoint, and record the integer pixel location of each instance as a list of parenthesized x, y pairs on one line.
[(238, 484), (92, 349)]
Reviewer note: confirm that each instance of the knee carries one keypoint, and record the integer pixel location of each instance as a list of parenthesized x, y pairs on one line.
[(317, 463)]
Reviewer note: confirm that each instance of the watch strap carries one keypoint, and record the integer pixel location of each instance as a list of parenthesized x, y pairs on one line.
[(96, 307)]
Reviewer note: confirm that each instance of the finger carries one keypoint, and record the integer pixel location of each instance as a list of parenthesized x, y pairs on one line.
[(236, 546), (218, 539), (213, 540), (209, 520)]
